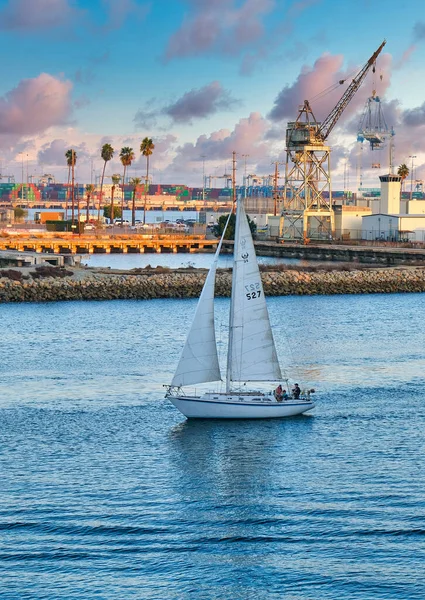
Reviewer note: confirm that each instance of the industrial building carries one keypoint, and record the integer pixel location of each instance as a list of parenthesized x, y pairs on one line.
[(387, 222)]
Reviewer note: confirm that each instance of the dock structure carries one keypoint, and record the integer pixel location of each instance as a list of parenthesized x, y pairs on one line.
[(108, 244), (9, 258)]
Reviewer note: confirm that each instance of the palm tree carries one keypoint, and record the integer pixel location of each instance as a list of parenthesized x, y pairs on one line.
[(106, 153), (403, 172), (126, 156), (71, 159), (89, 192), (116, 178), (135, 182), (146, 148), (68, 162)]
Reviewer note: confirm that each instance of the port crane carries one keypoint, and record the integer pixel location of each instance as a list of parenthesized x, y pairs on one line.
[(307, 190)]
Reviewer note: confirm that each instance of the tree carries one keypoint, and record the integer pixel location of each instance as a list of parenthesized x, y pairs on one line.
[(116, 178), (89, 192), (135, 182), (230, 231), (107, 152), (126, 156), (19, 213), (107, 212), (146, 148), (403, 172), (71, 159)]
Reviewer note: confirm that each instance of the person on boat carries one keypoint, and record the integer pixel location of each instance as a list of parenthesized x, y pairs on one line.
[(284, 395), (296, 391), (278, 393)]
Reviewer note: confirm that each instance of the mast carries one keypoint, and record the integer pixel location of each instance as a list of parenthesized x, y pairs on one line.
[(234, 180), (236, 202)]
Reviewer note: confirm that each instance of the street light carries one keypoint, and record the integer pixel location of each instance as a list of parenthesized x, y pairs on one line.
[(245, 156), (411, 177), (203, 176)]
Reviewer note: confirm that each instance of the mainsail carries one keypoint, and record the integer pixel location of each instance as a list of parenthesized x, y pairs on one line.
[(252, 354), (199, 360)]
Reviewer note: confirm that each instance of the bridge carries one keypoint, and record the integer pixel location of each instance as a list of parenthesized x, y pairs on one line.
[(107, 244), (158, 203)]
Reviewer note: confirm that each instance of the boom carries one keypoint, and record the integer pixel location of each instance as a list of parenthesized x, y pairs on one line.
[(331, 120)]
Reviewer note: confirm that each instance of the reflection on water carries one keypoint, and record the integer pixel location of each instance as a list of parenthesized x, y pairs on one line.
[(108, 492)]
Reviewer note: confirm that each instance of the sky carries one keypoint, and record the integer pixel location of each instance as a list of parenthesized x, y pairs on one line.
[(203, 78)]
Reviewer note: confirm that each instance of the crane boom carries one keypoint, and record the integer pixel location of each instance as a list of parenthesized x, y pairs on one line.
[(331, 120)]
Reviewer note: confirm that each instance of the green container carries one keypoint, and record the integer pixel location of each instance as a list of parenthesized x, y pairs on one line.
[(63, 226)]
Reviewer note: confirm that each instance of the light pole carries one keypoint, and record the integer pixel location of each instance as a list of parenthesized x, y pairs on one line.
[(203, 177), (411, 178), (244, 156), (22, 177)]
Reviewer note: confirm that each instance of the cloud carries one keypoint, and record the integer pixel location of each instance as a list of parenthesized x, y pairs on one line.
[(419, 31), (33, 15), (320, 85), (222, 26), (247, 137), (198, 103), (147, 117), (405, 57), (34, 105), (53, 153), (86, 75), (81, 101), (119, 11), (415, 116)]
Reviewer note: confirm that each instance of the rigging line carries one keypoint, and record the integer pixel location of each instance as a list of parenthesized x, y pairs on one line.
[(333, 87)]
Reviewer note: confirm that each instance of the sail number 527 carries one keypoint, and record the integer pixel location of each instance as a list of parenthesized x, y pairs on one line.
[(252, 291)]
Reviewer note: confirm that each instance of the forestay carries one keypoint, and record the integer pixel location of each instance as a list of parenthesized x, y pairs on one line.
[(252, 353)]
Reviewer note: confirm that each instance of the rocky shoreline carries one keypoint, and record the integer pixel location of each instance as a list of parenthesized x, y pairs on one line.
[(98, 284)]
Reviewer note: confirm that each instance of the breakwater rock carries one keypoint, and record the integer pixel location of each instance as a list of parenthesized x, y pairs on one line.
[(86, 285)]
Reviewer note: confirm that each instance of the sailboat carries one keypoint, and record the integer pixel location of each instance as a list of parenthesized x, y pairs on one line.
[(251, 356)]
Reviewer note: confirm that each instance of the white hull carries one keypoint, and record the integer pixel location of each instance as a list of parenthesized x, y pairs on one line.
[(238, 406)]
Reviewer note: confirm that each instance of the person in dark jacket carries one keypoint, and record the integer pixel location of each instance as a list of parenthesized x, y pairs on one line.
[(296, 391)]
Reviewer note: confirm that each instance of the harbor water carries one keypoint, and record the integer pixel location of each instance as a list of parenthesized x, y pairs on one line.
[(107, 492)]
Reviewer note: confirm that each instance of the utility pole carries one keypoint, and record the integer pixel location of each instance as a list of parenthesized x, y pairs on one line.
[(203, 177), (22, 178), (391, 150), (245, 156), (275, 184), (411, 178), (72, 188), (234, 180)]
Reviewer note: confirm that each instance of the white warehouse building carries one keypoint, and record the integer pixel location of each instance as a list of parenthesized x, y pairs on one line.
[(388, 224)]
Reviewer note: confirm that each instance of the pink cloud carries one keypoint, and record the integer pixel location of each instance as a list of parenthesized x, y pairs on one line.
[(319, 85), (35, 14), (405, 57), (34, 105), (247, 137), (53, 153), (220, 26)]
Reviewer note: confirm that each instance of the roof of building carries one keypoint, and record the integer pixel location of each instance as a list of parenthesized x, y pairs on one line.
[(396, 216)]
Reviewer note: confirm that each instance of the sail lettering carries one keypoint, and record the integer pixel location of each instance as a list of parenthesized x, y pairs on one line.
[(253, 290)]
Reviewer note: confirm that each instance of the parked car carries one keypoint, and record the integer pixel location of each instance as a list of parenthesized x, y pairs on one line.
[(89, 227), (124, 222)]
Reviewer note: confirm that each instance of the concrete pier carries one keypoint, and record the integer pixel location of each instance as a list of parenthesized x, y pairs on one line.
[(338, 253), (74, 244)]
